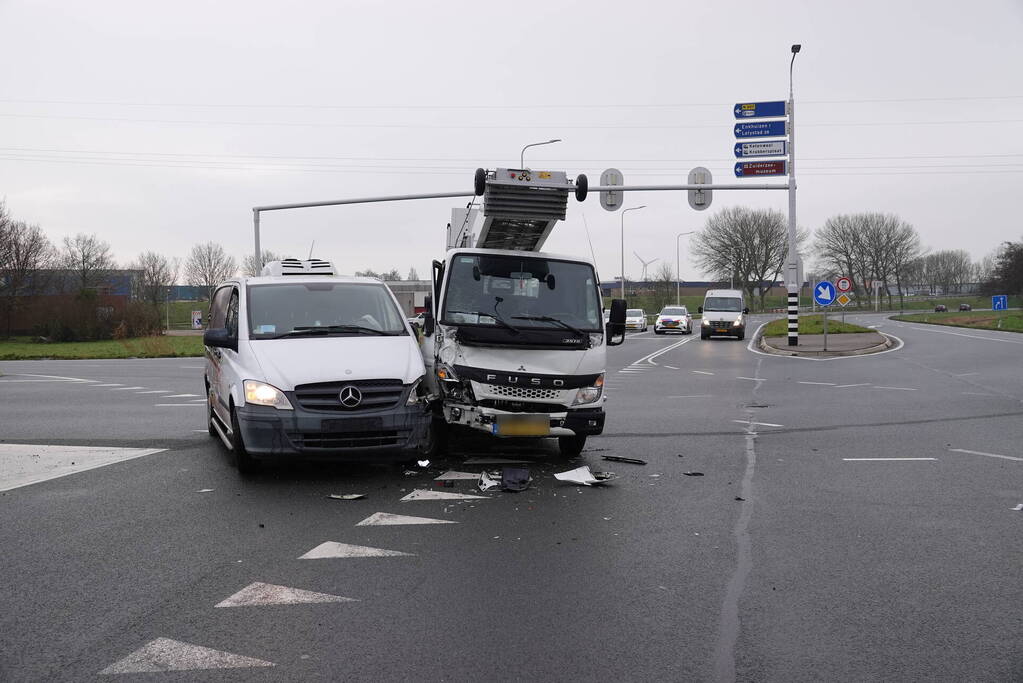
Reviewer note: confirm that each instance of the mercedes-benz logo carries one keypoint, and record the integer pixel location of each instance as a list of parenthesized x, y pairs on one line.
[(350, 396)]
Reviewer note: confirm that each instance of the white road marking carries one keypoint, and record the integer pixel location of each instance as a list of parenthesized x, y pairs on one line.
[(426, 494), (761, 424), (180, 395), (154, 391), (1018, 507), (173, 405), (967, 374), (387, 519), (974, 393), (882, 459), (333, 549), (127, 388), (455, 475), (701, 372), (24, 464), (846, 386), (198, 400), (52, 377), (106, 385), (164, 654), (971, 336), (694, 396), (671, 367), (894, 388), (989, 455), (261, 594), (753, 379), (202, 431), (823, 384), (752, 349), (204, 490)]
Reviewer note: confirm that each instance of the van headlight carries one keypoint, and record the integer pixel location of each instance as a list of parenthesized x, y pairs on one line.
[(263, 394), (415, 394), (591, 393), (705, 322), (738, 322)]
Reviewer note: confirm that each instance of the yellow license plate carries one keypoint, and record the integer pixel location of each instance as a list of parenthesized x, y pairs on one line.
[(522, 425), (721, 331)]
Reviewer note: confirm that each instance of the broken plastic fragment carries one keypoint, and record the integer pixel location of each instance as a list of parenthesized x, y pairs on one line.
[(423, 463), (583, 475), (346, 496), (631, 461), (515, 478), (693, 474), (488, 482)]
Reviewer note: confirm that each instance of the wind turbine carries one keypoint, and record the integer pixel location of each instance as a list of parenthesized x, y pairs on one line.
[(645, 264)]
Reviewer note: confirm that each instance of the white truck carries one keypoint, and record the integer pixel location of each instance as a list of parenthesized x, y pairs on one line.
[(514, 339)]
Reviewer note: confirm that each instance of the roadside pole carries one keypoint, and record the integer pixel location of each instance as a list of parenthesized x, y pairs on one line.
[(793, 268), (825, 328)]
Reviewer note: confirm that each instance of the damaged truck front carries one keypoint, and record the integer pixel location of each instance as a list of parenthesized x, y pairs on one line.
[(515, 341)]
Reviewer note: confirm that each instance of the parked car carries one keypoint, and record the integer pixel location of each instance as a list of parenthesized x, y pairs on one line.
[(941, 308), (418, 319), (635, 319), (674, 319), (965, 307)]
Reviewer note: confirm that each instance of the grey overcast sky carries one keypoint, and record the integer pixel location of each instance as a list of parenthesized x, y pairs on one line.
[(159, 125)]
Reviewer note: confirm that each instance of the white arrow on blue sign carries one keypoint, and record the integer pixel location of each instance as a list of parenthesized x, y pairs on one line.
[(761, 129), (759, 110), (824, 293), (767, 148), (999, 302)]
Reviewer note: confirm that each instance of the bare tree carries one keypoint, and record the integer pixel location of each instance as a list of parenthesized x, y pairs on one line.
[(391, 275), (664, 285), (88, 260), (156, 273), (748, 244), (412, 274), (25, 257), (208, 265), (249, 266)]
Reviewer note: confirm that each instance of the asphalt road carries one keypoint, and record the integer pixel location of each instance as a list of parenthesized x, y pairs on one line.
[(804, 552)]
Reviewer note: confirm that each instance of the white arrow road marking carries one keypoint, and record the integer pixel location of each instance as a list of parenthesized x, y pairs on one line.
[(24, 464), (164, 654), (761, 424), (260, 594), (990, 455), (426, 494), (452, 474), (387, 519), (882, 459), (331, 549)]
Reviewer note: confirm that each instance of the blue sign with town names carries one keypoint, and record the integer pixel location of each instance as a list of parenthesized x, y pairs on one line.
[(1000, 302), (761, 129), (759, 110), (767, 148)]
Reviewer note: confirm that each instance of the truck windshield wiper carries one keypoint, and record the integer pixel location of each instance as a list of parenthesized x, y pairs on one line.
[(327, 329), (549, 319), (494, 316)]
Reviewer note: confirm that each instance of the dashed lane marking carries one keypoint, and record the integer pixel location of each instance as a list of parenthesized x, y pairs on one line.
[(181, 396), (164, 654), (753, 379), (823, 384), (262, 594), (894, 388), (25, 464), (426, 494), (387, 519), (671, 367), (127, 388), (883, 459), (178, 405), (701, 372), (846, 386), (989, 455), (966, 374), (154, 391), (758, 424), (333, 549), (694, 396), (106, 385)]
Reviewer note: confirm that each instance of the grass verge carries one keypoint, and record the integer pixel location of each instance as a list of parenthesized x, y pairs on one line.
[(1008, 321), (811, 324), (139, 347)]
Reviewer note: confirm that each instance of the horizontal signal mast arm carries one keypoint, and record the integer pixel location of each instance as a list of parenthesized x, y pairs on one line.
[(645, 188), (363, 200)]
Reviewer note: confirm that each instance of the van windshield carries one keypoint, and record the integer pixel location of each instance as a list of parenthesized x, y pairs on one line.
[(322, 309), (726, 304)]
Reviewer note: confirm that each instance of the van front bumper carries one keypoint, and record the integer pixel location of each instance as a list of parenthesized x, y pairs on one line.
[(394, 434)]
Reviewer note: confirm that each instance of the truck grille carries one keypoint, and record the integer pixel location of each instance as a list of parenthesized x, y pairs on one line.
[(377, 394), (522, 406), (522, 392)]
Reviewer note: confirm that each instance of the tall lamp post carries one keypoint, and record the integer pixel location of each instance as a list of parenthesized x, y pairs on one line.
[(635, 208), (793, 260), (522, 154), (678, 269)]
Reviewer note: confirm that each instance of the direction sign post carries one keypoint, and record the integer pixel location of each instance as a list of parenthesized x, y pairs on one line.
[(1000, 302), (749, 169), (759, 110), (761, 129), (824, 295), (765, 148)]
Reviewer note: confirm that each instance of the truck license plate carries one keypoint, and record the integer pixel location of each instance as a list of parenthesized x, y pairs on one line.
[(522, 425)]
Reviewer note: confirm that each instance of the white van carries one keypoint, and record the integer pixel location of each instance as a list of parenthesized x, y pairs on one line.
[(302, 362), (724, 312)]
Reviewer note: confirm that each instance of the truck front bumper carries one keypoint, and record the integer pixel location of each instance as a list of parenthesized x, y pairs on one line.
[(576, 422)]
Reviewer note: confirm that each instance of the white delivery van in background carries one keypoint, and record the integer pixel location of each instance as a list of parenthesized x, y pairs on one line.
[(724, 313), (301, 362)]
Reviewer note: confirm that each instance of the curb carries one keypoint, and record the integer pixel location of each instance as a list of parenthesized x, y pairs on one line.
[(877, 348)]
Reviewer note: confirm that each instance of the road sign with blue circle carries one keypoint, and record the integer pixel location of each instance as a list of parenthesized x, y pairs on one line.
[(824, 293), (1000, 302)]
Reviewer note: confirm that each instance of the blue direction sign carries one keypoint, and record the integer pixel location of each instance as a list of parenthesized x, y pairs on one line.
[(824, 293), (767, 148), (1000, 302), (761, 129), (759, 110), (748, 169)]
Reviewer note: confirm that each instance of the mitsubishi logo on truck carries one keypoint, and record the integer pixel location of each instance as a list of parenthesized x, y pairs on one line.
[(350, 396)]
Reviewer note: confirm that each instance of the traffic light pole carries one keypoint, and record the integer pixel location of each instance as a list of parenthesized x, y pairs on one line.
[(793, 266)]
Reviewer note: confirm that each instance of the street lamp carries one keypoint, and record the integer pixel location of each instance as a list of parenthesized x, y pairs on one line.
[(522, 154), (635, 208), (678, 269)]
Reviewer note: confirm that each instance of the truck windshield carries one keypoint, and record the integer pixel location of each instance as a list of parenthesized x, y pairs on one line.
[(726, 304), (316, 309), (521, 292)]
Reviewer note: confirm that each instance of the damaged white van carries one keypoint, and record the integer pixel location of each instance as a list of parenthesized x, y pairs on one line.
[(301, 362)]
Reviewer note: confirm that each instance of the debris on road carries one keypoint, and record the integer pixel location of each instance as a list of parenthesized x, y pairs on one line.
[(618, 458), (693, 474), (487, 481), (515, 479), (346, 496), (739, 498), (452, 474), (423, 463), (494, 461), (583, 475)]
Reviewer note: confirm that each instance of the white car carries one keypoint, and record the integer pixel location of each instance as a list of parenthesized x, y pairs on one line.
[(635, 319), (674, 319), (303, 363)]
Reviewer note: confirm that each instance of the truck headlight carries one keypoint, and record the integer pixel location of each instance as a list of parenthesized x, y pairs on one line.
[(263, 394), (596, 339), (591, 393)]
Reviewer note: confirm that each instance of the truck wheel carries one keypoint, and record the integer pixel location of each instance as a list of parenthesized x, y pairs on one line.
[(571, 446), (480, 182), (245, 463)]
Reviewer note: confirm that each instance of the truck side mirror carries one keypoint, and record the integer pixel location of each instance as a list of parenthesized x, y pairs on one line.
[(615, 328), (699, 309), (219, 337), (745, 311), (428, 321)]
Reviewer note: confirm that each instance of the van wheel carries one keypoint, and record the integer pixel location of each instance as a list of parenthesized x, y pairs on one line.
[(436, 440), (571, 446), (245, 463), (742, 335)]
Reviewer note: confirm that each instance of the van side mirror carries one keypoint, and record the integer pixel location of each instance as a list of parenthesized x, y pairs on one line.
[(615, 328), (699, 309), (428, 322), (219, 337), (745, 311)]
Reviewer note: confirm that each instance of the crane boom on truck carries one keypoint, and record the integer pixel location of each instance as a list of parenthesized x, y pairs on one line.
[(515, 341)]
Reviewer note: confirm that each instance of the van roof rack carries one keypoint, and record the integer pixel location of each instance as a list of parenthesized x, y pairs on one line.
[(294, 266)]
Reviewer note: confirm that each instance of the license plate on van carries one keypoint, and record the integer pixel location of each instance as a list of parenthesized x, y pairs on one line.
[(522, 425)]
